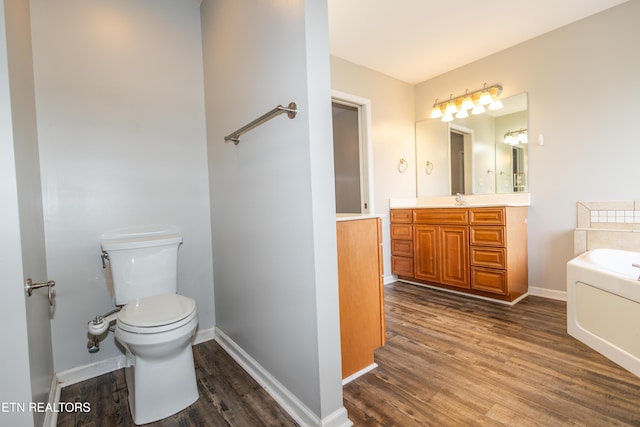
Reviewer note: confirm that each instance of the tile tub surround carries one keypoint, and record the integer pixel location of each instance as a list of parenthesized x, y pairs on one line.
[(612, 224)]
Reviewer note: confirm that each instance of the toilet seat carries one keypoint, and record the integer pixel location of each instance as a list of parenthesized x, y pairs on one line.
[(157, 313)]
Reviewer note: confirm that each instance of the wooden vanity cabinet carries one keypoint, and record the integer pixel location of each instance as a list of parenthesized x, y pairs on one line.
[(482, 251), (361, 291)]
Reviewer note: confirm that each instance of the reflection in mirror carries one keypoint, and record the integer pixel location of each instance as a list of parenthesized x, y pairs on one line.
[(481, 154)]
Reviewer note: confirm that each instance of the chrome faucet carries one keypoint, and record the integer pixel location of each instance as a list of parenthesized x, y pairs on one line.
[(459, 199)]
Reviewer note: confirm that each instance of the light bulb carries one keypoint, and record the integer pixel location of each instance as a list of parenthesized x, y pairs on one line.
[(509, 139), (451, 108), (447, 117), (462, 114), (478, 109), (495, 105), (485, 98), (523, 138), (436, 113), (467, 103)]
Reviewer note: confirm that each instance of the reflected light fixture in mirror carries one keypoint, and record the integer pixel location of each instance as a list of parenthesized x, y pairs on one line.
[(474, 101), (515, 137)]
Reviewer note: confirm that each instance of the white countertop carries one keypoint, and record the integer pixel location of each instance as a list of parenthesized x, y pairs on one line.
[(354, 216), (470, 201)]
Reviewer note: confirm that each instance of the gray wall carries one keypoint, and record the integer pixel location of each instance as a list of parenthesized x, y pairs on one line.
[(120, 107), (15, 385), (272, 195), (29, 199), (582, 82)]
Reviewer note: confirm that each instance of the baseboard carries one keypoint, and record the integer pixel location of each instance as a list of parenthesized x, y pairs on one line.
[(538, 292), (548, 293), (389, 279), (204, 335), (75, 375), (358, 374), (51, 417), (92, 370), (289, 402)]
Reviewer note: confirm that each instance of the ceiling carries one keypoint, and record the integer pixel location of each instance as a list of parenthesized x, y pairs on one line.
[(415, 40)]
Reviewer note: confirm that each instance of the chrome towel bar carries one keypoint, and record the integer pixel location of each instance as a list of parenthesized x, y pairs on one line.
[(291, 111)]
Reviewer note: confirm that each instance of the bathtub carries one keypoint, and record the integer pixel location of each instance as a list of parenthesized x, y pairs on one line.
[(603, 304)]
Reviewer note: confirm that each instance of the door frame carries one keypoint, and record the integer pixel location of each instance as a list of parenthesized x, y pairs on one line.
[(366, 146)]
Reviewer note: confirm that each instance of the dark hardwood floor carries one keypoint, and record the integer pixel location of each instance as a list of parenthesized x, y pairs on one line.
[(228, 397), (454, 361), (449, 360)]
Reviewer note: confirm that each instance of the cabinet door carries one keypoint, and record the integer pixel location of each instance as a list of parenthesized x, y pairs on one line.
[(454, 256), (425, 252)]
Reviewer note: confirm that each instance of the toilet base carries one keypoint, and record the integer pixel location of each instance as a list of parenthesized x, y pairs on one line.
[(159, 389)]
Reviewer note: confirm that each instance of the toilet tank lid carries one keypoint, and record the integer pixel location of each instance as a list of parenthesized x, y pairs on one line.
[(137, 242), (139, 237)]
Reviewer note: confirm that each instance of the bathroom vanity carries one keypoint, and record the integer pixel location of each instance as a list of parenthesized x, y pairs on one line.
[(362, 325), (477, 250)]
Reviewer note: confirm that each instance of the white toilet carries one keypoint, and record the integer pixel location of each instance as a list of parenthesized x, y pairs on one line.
[(155, 325)]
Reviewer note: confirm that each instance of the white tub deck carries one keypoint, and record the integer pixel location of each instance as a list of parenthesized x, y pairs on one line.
[(603, 304)]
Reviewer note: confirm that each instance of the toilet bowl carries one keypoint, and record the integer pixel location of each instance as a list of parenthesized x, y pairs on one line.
[(157, 333)]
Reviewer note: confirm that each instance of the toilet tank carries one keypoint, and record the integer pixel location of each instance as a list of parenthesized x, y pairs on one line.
[(143, 262)]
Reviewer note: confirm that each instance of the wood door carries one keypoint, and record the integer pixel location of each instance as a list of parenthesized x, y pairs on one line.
[(425, 255), (361, 292), (454, 256)]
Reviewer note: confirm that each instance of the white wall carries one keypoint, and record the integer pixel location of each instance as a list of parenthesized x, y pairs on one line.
[(393, 135), (120, 106), (272, 195), (582, 81)]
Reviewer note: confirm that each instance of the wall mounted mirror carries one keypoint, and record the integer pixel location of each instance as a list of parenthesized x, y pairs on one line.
[(470, 156)]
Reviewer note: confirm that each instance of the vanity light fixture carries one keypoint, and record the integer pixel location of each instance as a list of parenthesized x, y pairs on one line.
[(474, 101), (514, 137)]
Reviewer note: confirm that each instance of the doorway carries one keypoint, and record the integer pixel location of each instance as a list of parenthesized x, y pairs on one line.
[(460, 160), (457, 163), (351, 153)]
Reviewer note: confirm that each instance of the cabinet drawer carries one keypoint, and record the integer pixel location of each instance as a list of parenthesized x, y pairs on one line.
[(489, 280), (401, 216), (401, 266), (402, 248), (441, 216), (402, 231), (486, 216), (487, 236), (488, 257)]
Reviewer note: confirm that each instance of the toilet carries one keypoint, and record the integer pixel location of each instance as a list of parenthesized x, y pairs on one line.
[(155, 325)]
